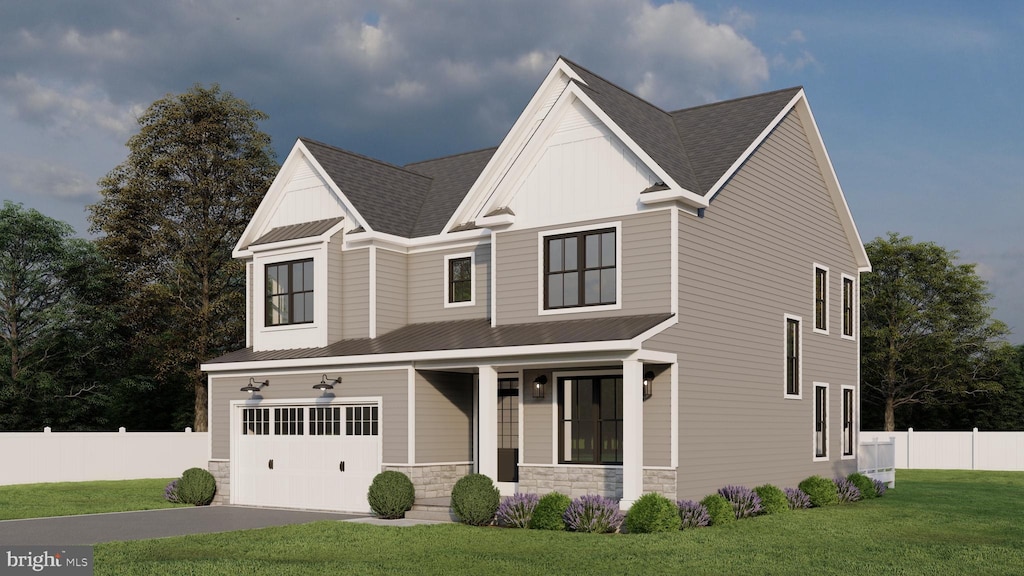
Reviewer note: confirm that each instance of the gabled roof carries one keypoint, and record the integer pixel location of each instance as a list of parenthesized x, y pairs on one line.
[(296, 231), (451, 178)]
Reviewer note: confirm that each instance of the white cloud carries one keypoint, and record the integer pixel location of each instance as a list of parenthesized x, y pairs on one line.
[(71, 110), (35, 177)]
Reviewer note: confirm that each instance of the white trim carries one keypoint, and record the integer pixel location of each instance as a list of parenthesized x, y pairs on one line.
[(262, 338), (411, 413), (800, 356), (493, 275), (854, 425), (674, 263), (619, 268), (472, 280), (373, 293), (250, 320), (555, 424), (209, 417), (814, 298), (674, 426), (828, 423), (855, 303)]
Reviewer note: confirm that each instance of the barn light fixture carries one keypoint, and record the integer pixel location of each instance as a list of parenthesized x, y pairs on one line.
[(538, 386), (326, 385), (252, 387), (648, 384)]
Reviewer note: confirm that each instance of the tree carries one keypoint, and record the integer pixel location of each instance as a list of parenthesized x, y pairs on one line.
[(58, 346), (169, 217), (927, 334)]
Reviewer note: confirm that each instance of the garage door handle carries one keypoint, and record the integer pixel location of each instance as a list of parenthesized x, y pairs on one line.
[(341, 466), (270, 463)]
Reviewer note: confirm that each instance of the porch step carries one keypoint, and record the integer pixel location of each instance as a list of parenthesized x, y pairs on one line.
[(438, 509)]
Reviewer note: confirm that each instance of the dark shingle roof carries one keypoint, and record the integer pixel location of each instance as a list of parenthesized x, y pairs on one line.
[(452, 177), (294, 231), (466, 335)]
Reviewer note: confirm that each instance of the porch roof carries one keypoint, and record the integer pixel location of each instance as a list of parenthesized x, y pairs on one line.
[(465, 335)]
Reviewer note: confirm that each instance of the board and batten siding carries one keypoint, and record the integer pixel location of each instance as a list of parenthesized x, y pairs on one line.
[(391, 385), (645, 269), (306, 197), (427, 291), (355, 296), (392, 280), (743, 266), (444, 417)]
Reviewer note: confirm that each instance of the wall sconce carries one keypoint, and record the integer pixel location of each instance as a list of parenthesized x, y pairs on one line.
[(538, 386), (326, 385), (648, 384), (252, 387)]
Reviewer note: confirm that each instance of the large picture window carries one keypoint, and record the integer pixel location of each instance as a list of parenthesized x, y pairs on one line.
[(289, 288), (580, 269), (591, 414)]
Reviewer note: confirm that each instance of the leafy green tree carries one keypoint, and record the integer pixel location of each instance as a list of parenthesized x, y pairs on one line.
[(169, 217), (927, 334)]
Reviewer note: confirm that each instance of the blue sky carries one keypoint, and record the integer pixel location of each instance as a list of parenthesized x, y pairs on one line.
[(919, 103)]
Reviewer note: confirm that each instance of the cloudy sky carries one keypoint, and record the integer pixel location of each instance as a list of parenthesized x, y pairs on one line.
[(919, 103)]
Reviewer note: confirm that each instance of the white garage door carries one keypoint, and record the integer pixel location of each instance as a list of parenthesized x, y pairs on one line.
[(321, 457)]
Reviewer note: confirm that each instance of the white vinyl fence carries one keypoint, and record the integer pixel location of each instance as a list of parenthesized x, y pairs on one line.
[(30, 457), (955, 450), (876, 459)]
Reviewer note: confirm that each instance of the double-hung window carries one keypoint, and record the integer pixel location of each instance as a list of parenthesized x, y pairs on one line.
[(820, 421), (580, 269), (459, 280), (820, 299), (289, 293), (848, 307), (792, 368), (591, 415), (848, 422)]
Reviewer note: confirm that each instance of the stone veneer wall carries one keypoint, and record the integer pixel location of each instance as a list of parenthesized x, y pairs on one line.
[(433, 480), (575, 481), (221, 470)]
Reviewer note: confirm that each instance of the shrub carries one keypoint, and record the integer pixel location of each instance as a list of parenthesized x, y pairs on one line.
[(846, 491), (880, 487), (797, 499), (197, 487), (475, 499), (864, 484), (652, 513), (773, 499), (692, 514), (593, 513), (719, 509), (516, 510), (549, 512), (391, 494), (821, 491), (745, 502), (171, 492)]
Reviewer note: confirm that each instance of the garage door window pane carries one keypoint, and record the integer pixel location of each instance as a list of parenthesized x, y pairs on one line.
[(361, 421), (325, 421), (255, 421), (288, 422)]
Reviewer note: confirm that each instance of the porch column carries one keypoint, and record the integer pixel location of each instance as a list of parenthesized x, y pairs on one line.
[(632, 432), (487, 419)]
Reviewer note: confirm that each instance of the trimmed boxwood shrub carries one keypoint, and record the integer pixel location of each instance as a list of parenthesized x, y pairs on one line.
[(821, 491), (773, 499), (548, 515), (515, 511), (391, 494), (475, 499), (745, 502), (171, 492), (864, 484), (719, 509), (594, 514), (846, 490), (797, 499), (692, 514), (652, 513), (197, 487)]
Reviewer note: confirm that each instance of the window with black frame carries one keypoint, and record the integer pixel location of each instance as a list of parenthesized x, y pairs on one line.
[(460, 280), (289, 293), (580, 269), (591, 414), (820, 422)]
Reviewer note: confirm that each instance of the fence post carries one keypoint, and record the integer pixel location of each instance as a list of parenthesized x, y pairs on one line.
[(188, 430), (47, 430), (974, 448), (910, 443), (121, 430)]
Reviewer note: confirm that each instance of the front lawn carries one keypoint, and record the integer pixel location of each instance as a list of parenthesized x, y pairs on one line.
[(935, 522), (71, 498)]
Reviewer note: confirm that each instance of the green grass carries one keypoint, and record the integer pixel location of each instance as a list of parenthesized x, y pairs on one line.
[(71, 498), (935, 522)]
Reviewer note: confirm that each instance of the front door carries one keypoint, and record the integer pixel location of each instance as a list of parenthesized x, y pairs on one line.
[(508, 430)]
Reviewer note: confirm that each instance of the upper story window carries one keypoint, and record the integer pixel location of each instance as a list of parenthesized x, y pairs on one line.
[(792, 356), (289, 291), (848, 307), (820, 299), (580, 269), (458, 280)]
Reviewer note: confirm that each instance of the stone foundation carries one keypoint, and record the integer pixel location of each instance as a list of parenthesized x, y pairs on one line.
[(575, 481), (221, 471), (433, 480), (661, 481)]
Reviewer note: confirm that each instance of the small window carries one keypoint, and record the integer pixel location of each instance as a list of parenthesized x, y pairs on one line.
[(459, 284), (793, 356), (848, 307), (821, 421), (580, 269), (288, 422), (325, 421), (848, 427), (820, 299), (289, 288), (361, 421), (255, 421)]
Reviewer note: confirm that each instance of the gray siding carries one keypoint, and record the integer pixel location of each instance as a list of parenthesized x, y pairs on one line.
[(444, 417), (645, 270), (427, 291), (742, 267), (335, 289), (536, 415), (658, 420), (355, 297), (391, 291), (391, 385)]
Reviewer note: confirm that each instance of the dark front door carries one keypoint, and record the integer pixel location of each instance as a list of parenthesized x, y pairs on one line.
[(508, 430)]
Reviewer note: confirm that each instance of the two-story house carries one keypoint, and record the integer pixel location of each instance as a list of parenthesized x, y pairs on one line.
[(618, 299)]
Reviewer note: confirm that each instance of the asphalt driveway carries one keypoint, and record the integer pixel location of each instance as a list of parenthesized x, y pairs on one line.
[(95, 528)]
